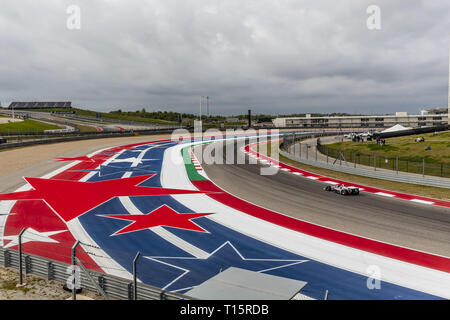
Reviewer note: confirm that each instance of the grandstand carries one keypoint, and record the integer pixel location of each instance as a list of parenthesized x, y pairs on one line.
[(40, 105)]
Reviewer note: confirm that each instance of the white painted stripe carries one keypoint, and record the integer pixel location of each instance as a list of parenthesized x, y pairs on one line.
[(422, 201), (127, 174), (100, 257), (58, 171), (312, 178), (331, 182), (297, 173), (139, 158), (5, 207), (180, 243), (285, 169), (347, 258), (88, 176), (385, 194)]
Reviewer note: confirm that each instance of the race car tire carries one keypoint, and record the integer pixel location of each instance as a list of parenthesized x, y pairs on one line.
[(327, 188), (344, 192)]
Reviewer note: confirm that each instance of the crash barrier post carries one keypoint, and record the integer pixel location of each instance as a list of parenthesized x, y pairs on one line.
[(20, 257), (74, 280), (27, 264), (396, 164), (135, 276), (6, 258), (113, 286), (423, 167)]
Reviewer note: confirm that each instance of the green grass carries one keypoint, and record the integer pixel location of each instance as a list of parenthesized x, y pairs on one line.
[(86, 128), (426, 191), (26, 126), (405, 147), (112, 116), (410, 154)]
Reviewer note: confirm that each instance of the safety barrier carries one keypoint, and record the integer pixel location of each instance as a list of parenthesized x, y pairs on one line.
[(80, 136), (293, 150), (397, 163), (112, 286)]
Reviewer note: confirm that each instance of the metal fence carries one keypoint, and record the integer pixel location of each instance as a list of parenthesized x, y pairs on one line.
[(108, 286), (376, 167), (398, 163)]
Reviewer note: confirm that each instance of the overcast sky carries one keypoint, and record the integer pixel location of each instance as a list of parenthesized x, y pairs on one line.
[(274, 57)]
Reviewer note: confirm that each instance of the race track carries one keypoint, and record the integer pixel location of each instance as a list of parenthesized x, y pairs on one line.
[(413, 225), (153, 198)]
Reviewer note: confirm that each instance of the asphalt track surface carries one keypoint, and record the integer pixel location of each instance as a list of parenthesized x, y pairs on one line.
[(416, 226), (36, 161), (177, 257)]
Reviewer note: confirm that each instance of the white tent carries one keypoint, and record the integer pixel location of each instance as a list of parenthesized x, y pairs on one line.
[(397, 127)]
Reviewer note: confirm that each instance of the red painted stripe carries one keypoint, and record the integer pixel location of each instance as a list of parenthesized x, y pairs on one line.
[(399, 195), (353, 241), (46, 220)]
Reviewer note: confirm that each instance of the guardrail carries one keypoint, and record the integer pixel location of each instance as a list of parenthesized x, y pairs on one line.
[(83, 136), (397, 163), (66, 137), (336, 164), (112, 286)]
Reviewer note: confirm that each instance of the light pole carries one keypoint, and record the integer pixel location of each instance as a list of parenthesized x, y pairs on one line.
[(201, 101), (448, 120)]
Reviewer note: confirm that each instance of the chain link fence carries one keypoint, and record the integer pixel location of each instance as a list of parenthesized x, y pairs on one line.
[(374, 166), (398, 163), (70, 259)]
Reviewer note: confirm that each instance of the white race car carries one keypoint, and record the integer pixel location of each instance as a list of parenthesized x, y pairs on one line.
[(342, 189)]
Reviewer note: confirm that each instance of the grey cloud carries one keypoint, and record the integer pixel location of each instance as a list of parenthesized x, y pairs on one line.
[(272, 56)]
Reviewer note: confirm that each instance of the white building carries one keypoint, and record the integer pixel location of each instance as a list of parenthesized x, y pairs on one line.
[(366, 121)]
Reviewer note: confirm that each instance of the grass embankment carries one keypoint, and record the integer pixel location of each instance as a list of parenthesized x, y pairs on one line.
[(410, 153), (82, 128), (433, 192), (26, 126), (110, 116), (405, 147)]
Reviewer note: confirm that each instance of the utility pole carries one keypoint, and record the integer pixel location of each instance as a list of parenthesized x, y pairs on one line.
[(448, 121), (207, 106), (201, 101)]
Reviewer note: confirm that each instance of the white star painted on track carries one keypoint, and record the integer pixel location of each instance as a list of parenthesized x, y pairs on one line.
[(239, 257), (31, 235)]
